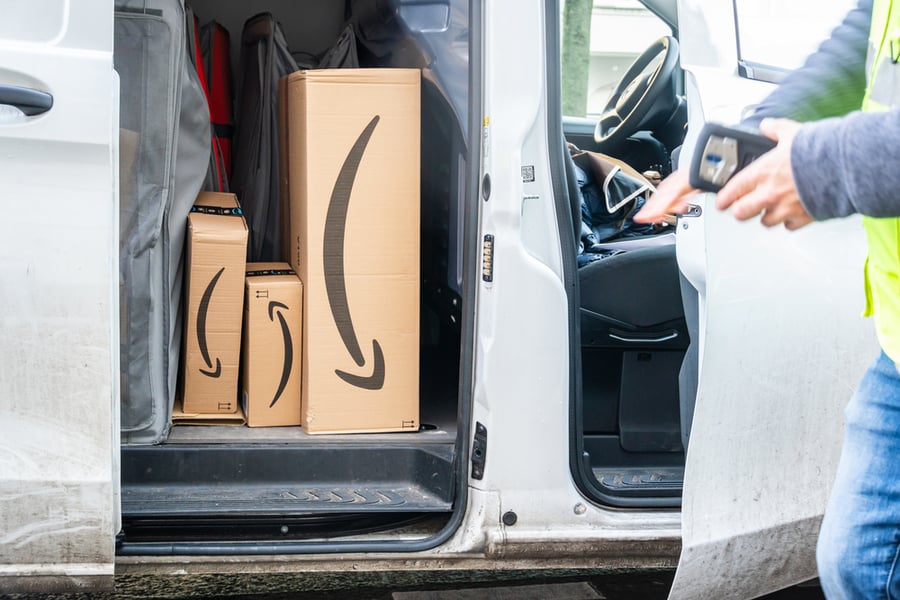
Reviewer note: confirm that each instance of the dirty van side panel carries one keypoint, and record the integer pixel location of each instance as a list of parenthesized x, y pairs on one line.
[(782, 347), (58, 287)]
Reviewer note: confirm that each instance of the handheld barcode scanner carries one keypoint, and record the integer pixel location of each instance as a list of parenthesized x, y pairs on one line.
[(722, 151)]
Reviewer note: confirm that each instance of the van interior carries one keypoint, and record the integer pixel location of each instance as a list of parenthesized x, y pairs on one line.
[(279, 483), (633, 328), (223, 483)]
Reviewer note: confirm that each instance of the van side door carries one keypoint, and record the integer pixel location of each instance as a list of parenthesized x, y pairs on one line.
[(782, 344), (59, 289)]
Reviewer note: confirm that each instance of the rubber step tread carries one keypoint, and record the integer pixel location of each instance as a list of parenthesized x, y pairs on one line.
[(209, 501), (665, 481)]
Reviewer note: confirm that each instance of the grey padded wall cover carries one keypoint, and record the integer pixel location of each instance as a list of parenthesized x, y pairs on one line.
[(215, 181), (265, 58), (164, 152)]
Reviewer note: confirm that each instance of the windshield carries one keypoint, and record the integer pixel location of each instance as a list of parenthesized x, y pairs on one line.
[(600, 40)]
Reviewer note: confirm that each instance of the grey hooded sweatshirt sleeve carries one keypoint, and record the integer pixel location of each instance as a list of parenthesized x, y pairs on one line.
[(843, 160)]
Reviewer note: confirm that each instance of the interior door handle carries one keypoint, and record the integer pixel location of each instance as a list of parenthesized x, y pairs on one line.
[(650, 337), (30, 101)]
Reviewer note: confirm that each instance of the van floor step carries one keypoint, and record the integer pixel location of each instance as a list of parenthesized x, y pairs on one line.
[(285, 480), (641, 482), (286, 500), (156, 530)]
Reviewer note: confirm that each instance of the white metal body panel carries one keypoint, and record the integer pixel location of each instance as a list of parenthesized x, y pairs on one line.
[(59, 290), (782, 348), (522, 354)]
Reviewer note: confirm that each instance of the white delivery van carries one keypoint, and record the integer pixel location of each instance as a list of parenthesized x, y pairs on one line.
[(555, 401)]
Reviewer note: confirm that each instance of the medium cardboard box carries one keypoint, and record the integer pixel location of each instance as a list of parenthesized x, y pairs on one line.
[(271, 350), (353, 156), (215, 261)]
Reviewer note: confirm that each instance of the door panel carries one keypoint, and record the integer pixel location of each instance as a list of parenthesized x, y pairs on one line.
[(782, 347), (58, 285)]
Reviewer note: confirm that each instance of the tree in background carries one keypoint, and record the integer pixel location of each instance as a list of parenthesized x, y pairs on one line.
[(576, 56)]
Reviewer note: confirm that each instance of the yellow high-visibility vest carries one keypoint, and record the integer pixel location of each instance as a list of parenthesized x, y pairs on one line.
[(882, 271)]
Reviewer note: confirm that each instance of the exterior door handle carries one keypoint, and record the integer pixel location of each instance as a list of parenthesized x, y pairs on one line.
[(30, 101)]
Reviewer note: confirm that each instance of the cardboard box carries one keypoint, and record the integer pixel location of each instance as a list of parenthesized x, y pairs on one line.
[(215, 260), (354, 176), (272, 346), (179, 417)]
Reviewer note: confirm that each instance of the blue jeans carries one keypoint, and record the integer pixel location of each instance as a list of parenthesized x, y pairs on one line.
[(859, 543)]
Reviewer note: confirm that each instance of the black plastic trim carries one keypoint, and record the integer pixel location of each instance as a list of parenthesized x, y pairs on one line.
[(479, 451), (471, 268), (749, 69), (761, 72), (273, 528), (30, 101)]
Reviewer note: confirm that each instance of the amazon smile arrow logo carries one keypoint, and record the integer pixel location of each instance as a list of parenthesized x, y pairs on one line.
[(288, 348), (201, 327), (335, 283)]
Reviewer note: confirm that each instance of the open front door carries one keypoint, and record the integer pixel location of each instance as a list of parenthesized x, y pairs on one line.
[(59, 290), (782, 346)]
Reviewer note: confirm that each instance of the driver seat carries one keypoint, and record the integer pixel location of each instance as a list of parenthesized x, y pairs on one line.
[(632, 321), (637, 291)]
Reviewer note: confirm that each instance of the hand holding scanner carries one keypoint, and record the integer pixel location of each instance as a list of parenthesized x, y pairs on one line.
[(722, 151)]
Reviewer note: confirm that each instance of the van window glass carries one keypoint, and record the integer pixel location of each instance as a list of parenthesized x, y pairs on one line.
[(775, 35), (600, 40)]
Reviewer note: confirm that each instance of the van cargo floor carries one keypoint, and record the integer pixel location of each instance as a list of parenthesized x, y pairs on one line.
[(280, 479), (439, 428)]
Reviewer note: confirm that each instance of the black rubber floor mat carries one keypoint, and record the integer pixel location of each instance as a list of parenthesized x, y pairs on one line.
[(289, 500), (285, 480)]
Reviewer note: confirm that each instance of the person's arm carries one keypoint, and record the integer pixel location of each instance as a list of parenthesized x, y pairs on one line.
[(830, 168), (841, 160), (831, 82), (848, 165)]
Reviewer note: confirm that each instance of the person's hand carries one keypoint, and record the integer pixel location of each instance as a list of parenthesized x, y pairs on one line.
[(767, 186), (670, 198)]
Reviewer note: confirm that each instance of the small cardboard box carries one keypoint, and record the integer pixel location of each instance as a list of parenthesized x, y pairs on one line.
[(215, 261), (353, 160), (179, 417), (271, 351)]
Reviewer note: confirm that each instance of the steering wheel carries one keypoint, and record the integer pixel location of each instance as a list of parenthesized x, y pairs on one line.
[(634, 104)]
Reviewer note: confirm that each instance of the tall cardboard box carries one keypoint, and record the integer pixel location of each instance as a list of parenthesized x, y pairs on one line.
[(353, 160), (215, 261), (272, 346)]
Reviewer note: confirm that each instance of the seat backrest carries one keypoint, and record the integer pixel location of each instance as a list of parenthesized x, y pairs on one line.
[(574, 196)]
